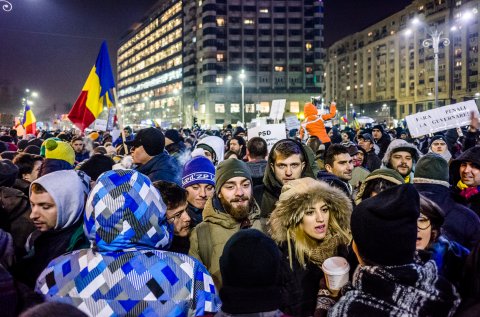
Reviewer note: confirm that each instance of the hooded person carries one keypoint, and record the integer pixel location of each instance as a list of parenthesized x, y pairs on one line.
[(314, 124), (438, 144), (310, 224), (388, 281), (402, 157), (57, 201), (127, 271), (382, 139), (213, 148), (431, 180), (287, 160), (377, 182)]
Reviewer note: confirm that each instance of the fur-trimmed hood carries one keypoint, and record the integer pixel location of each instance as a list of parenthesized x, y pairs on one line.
[(294, 200)]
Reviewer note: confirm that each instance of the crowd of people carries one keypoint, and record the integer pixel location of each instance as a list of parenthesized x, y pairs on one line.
[(194, 222)]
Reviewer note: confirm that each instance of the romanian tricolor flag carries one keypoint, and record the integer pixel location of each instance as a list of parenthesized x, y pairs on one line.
[(344, 119), (96, 90), (29, 120), (355, 121)]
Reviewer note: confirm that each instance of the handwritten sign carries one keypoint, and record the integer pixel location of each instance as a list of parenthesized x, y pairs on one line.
[(271, 133), (440, 119), (278, 108), (292, 122)]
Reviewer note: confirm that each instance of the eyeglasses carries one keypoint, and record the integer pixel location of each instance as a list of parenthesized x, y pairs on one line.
[(176, 216), (423, 223)]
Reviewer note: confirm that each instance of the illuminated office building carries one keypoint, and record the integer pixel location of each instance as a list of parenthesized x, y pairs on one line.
[(176, 64)]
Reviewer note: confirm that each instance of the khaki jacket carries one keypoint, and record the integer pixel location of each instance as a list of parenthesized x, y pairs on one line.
[(222, 226)]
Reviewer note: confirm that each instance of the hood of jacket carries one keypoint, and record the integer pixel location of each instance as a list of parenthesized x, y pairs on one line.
[(294, 200), (382, 173), (125, 211), (309, 110), (271, 183), (214, 213), (401, 145), (68, 192), (470, 155), (217, 144)]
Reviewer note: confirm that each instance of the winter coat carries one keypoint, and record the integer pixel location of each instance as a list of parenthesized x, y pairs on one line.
[(300, 284), (359, 174), (461, 224), (23, 186), (258, 171), (471, 155), (267, 194), (162, 167), (126, 271), (52, 165), (221, 227), (401, 145), (373, 162), (383, 144), (315, 124), (15, 217), (410, 290), (336, 182), (80, 157)]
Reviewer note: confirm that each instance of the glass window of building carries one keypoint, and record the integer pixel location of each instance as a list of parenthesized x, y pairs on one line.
[(294, 106), (235, 108), (220, 108), (249, 108), (264, 107), (220, 22), (279, 68), (220, 57)]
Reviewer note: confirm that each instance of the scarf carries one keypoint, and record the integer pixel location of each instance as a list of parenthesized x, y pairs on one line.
[(467, 192), (407, 179), (325, 250)]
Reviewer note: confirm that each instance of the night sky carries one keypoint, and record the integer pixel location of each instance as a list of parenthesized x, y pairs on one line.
[(50, 45)]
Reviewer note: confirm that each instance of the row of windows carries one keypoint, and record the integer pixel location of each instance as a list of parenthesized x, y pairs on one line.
[(250, 21), (247, 8)]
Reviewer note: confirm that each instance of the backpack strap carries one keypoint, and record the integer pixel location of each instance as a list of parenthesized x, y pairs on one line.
[(204, 243)]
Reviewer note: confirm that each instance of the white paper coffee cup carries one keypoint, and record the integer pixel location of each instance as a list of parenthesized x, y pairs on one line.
[(336, 271)]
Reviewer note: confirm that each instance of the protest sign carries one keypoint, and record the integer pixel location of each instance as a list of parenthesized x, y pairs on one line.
[(441, 119), (271, 133), (292, 122), (278, 108), (100, 125)]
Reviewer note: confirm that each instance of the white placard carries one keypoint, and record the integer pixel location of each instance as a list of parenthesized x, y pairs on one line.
[(278, 108), (100, 125), (292, 122), (441, 119), (272, 133)]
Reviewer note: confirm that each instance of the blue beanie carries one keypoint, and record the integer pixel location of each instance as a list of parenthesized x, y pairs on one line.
[(199, 170)]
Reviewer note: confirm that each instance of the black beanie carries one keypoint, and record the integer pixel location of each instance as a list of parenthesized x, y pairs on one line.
[(8, 173), (250, 268), (96, 165), (379, 127), (173, 135), (152, 140), (230, 168), (384, 227)]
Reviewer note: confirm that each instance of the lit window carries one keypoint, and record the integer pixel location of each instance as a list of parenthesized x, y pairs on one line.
[(220, 80), (294, 106), (220, 108), (220, 22), (248, 21), (369, 83), (308, 46), (235, 108), (370, 34), (220, 57), (202, 108), (420, 8), (264, 107), (264, 10), (200, 25), (279, 68), (308, 70), (249, 108)]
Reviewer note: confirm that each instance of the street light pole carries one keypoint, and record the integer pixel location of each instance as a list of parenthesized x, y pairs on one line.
[(434, 41), (241, 77)]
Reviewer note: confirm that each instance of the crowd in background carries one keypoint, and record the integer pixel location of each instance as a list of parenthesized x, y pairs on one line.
[(204, 222)]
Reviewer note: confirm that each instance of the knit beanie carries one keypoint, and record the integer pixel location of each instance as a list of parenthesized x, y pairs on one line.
[(173, 135), (8, 173), (432, 169), (230, 168), (124, 210), (32, 149), (384, 227), (238, 130), (379, 127), (250, 268), (59, 150), (152, 140), (96, 165), (198, 170)]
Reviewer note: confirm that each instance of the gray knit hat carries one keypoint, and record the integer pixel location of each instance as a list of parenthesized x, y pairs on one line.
[(230, 168), (432, 169)]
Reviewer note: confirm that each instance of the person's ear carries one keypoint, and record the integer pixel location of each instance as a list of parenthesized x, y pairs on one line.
[(329, 168), (303, 166)]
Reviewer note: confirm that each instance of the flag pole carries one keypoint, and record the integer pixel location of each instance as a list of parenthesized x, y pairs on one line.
[(115, 97)]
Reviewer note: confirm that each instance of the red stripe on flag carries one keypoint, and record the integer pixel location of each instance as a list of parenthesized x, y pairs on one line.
[(80, 115)]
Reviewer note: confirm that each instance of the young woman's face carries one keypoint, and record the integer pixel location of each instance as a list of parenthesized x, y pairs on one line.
[(424, 232), (315, 221)]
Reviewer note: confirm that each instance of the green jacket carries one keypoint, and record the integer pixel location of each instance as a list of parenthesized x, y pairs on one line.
[(221, 226)]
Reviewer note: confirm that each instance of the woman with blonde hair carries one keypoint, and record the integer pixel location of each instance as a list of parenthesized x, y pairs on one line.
[(311, 223)]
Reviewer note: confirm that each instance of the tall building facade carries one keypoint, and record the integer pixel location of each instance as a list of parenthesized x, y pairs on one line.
[(386, 71), (273, 48)]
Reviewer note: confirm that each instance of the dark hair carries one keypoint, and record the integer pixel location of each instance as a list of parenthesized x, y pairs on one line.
[(241, 141), (230, 153), (376, 185), (434, 213), (172, 195), (314, 143), (286, 148), (53, 309), (334, 150), (77, 138), (37, 188), (25, 162), (257, 147)]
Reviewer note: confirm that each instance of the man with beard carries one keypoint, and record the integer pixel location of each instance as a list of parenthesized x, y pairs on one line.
[(402, 157), (231, 209)]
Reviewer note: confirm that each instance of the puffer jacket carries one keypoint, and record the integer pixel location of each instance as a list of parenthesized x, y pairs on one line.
[(126, 272), (314, 124)]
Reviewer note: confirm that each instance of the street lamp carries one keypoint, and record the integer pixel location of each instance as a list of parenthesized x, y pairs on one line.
[(241, 79), (346, 104)]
